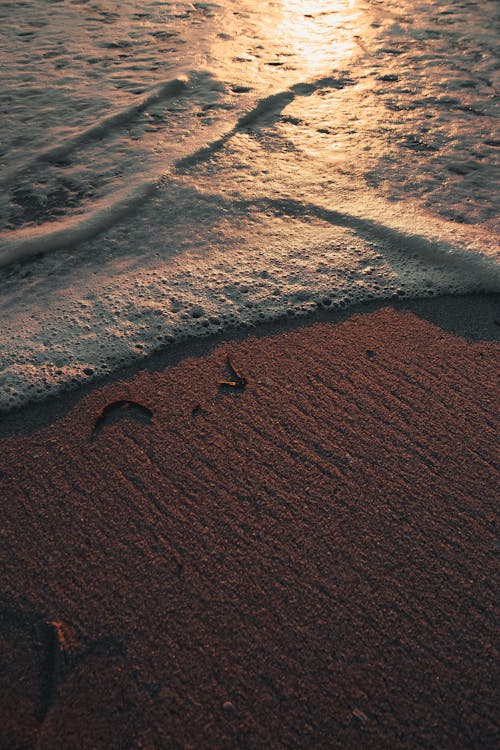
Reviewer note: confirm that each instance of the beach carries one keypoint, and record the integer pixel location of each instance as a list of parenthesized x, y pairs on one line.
[(303, 557), (249, 338)]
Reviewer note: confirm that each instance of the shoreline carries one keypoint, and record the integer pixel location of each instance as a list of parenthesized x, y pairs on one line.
[(472, 316)]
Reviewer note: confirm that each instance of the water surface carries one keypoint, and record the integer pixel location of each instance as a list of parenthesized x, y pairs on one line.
[(169, 169)]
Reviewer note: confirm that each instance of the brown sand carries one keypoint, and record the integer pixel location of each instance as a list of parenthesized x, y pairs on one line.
[(305, 563)]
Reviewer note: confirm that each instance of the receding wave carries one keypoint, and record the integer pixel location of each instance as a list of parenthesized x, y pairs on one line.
[(72, 231), (482, 271), (98, 130), (139, 300)]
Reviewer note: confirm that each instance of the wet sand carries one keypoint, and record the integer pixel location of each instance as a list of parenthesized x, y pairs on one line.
[(306, 561)]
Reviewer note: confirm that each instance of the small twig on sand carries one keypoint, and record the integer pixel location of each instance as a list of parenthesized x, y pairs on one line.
[(237, 381)]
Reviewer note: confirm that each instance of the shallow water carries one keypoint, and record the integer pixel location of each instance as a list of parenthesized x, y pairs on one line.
[(183, 167)]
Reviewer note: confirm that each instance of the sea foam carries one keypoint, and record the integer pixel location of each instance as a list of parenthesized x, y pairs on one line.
[(163, 201)]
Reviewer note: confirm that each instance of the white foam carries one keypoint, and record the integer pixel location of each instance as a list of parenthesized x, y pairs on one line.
[(286, 173), (73, 231), (273, 263)]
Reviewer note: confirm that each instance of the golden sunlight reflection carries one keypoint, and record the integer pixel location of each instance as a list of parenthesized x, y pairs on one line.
[(272, 44), (317, 7), (320, 33)]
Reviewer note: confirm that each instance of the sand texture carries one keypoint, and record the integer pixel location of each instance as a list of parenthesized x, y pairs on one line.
[(303, 562)]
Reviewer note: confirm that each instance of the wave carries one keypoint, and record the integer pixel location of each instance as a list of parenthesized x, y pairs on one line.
[(98, 130), (21, 244), (75, 230), (195, 261), (269, 105), (482, 271)]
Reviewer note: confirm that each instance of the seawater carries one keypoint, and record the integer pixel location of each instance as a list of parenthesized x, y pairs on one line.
[(169, 169)]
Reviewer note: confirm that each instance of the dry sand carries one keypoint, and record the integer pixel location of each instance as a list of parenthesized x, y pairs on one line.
[(307, 562)]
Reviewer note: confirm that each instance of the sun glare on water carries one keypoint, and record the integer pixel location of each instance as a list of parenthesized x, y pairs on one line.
[(318, 32), (317, 6), (281, 42)]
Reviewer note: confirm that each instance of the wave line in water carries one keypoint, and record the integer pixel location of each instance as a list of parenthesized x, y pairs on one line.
[(99, 129), (272, 104), (26, 243), (21, 244)]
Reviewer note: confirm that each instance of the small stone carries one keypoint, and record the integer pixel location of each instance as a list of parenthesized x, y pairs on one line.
[(228, 707)]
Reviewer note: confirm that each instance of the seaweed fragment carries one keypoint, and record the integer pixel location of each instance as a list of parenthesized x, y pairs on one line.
[(237, 381), (123, 407)]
